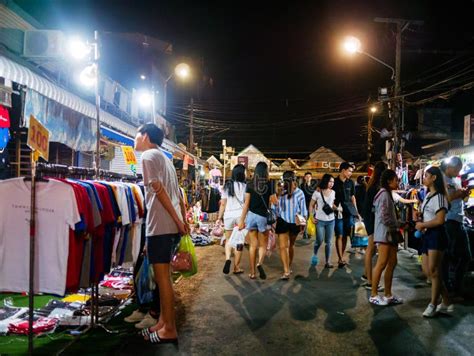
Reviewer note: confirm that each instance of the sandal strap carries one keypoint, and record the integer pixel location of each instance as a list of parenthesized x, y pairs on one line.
[(154, 338), (146, 332)]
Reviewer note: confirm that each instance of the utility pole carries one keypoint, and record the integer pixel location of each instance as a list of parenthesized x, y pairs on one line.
[(402, 25), (369, 135), (191, 127)]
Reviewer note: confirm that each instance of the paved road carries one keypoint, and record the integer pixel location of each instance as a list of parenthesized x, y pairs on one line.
[(318, 311)]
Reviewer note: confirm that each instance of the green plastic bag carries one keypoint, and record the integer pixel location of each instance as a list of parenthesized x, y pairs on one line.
[(186, 245)]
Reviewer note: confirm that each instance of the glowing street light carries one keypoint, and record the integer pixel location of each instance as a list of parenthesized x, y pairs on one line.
[(373, 109), (88, 76), (79, 49), (182, 70), (145, 98), (351, 45)]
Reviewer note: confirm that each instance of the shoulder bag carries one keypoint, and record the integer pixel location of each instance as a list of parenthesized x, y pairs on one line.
[(326, 207), (394, 235), (271, 216)]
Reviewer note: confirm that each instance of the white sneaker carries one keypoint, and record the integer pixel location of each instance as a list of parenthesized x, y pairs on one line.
[(445, 309), (378, 300), (430, 311), (135, 317), (394, 300), (147, 322)]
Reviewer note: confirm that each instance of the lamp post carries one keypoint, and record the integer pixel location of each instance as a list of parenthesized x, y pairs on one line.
[(183, 71), (372, 111), (352, 45)]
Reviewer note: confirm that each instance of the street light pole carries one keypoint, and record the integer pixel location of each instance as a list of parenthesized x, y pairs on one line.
[(191, 127)]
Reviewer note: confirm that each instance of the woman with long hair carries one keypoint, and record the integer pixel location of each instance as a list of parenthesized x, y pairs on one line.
[(369, 220), (435, 241), (232, 204), (386, 236), (323, 217), (259, 197), (290, 204)]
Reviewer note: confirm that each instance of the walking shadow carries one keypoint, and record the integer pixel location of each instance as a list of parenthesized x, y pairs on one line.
[(334, 294), (256, 304)]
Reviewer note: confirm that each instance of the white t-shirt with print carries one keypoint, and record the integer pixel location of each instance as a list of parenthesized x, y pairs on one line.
[(432, 204), (56, 212), (320, 214), (235, 204)]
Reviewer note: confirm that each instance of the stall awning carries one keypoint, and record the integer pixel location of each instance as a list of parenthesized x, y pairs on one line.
[(24, 76)]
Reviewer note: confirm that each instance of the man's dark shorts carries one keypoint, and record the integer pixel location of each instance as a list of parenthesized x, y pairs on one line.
[(160, 248)]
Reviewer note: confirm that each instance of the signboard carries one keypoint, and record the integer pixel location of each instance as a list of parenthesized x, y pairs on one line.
[(323, 165), (38, 138), (468, 121), (244, 160), (129, 155)]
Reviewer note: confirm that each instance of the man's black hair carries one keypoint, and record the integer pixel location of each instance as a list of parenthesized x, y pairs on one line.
[(308, 173), (344, 166), (154, 133)]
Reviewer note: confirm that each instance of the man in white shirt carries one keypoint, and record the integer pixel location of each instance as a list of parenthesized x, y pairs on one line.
[(165, 223)]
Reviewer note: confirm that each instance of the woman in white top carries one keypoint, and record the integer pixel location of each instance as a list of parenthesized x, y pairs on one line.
[(435, 241), (232, 202), (323, 201)]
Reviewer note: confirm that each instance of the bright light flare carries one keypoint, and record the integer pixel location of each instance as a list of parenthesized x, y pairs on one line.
[(145, 98), (373, 109), (79, 49), (88, 76), (351, 45), (182, 70)]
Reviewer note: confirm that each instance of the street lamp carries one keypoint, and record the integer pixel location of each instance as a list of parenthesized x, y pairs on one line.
[(373, 109), (146, 99), (182, 71), (90, 77), (352, 45)]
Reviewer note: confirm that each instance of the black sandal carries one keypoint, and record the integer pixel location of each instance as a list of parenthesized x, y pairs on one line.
[(261, 272), (155, 339), (226, 269)]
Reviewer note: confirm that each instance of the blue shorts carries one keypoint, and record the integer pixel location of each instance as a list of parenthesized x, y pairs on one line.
[(256, 222), (434, 239), (343, 227)]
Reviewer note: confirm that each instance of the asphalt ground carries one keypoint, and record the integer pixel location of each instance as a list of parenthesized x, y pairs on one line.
[(318, 311)]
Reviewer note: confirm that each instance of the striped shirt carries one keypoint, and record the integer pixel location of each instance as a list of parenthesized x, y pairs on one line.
[(289, 207)]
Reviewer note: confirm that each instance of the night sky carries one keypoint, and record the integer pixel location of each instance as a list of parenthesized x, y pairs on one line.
[(280, 81)]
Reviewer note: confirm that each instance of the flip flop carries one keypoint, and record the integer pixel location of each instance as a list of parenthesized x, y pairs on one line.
[(146, 332), (240, 271), (261, 272), (285, 277), (252, 276), (226, 269), (155, 339)]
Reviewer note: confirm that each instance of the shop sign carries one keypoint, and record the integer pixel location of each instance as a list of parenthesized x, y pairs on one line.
[(468, 129), (244, 160), (38, 138), (129, 155)]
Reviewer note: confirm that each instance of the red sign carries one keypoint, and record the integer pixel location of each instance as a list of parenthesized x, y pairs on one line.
[(243, 160)]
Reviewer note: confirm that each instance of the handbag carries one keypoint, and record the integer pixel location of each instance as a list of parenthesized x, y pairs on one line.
[(181, 262), (394, 235), (326, 207), (271, 215)]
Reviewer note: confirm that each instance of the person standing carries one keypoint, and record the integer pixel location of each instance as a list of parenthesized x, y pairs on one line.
[(259, 197), (345, 197), (368, 215), (360, 191), (435, 241), (290, 204), (323, 215), (458, 254), (232, 203), (165, 222), (308, 187), (387, 228)]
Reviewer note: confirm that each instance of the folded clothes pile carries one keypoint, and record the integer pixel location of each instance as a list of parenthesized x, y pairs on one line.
[(41, 325), (10, 314)]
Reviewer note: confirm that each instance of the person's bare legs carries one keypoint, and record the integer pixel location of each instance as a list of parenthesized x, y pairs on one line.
[(425, 266), (166, 326), (283, 243), (262, 246), (228, 248), (382, 261), (292, 247), (437, 286), (253, 236), (339, 248), (391, 264), (369, 254)]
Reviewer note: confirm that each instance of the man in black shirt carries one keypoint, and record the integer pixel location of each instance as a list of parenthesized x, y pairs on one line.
[(345, 199)]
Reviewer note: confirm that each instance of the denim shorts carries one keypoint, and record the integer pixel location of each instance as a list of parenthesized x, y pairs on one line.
[(343, 227), (434, 239), (256, 222)]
